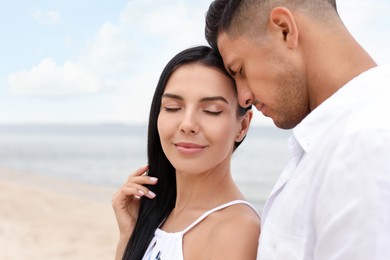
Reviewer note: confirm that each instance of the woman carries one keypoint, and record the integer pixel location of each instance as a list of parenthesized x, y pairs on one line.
[(187, 205)]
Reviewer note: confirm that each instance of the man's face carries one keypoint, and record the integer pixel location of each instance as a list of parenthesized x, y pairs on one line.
[(266, 77)]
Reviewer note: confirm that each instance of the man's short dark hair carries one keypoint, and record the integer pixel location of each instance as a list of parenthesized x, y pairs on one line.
[(238, 16), (219, 18)]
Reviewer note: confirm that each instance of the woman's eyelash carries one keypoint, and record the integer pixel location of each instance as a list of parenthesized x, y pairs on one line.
[(171, 109), (174, 109), (214, 113)]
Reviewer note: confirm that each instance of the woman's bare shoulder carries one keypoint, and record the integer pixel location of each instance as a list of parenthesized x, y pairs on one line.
[(236, 233)]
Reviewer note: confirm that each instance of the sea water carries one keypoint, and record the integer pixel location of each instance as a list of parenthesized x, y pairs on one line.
[(106, 154)]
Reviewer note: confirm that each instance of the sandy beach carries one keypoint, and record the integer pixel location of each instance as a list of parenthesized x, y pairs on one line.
[(48, 218)]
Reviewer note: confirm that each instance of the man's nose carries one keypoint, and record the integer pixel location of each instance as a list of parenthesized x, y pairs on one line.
[(245, 95)]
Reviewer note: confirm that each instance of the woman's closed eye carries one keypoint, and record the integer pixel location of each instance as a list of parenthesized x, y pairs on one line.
[(212, 109), (207, 111), (171, 109), (212, 112)]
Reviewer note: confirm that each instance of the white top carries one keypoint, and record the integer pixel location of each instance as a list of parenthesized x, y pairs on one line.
[(169, 246), (332, 201)]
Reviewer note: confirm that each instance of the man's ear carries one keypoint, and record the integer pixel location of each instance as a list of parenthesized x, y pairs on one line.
[(282, 25), (245, 121)]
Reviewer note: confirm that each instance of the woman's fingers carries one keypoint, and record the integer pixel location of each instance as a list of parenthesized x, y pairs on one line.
[(126, 201), (138, 190), (135, 186), (141, 180), (140, 171)]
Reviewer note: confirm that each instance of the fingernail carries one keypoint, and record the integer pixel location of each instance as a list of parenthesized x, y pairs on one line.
[(152, 194), (153, 179), (141, 192)]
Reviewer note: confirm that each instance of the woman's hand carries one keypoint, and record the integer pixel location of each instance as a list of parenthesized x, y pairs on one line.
[(126, 201)]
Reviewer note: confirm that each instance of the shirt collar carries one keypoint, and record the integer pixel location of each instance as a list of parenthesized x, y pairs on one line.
[(327, 114)]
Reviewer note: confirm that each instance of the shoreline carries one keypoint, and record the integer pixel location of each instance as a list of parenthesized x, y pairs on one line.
[(43, 217)]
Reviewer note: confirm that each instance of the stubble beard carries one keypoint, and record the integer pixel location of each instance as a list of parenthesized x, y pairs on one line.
[(291, 104)]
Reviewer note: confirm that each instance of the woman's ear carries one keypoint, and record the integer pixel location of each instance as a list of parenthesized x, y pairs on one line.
[(245, 121), (283, 26)]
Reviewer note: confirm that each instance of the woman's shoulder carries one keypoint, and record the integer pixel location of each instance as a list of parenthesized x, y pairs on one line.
[(236, 233), (228, 233), (236, 218), (239, 208)]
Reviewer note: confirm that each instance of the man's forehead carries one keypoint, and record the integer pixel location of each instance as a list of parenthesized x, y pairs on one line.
[(225, 45)]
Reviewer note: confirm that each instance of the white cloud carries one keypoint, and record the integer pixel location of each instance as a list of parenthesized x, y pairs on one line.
[(122, 62), (125, 56), (106, 57), (47, 78), (145, 36), (111, 52), (135, 97), (46, 18), (181, 23)]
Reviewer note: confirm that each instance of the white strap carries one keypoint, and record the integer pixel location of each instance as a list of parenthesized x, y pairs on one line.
[(207, 213)]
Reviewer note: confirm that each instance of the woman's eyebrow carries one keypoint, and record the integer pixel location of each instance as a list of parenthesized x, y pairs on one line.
[(216, 98), (203, 100), (169, 95)]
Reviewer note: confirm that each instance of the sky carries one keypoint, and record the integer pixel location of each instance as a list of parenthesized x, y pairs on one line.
[(98, 61)]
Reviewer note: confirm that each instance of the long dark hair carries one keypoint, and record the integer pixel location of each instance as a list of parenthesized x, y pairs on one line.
[(153, 211)]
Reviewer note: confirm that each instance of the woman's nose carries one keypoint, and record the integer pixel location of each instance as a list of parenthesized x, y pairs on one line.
[(189, 124)]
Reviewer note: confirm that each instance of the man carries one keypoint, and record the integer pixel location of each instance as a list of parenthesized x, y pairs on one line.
[(295, 61)]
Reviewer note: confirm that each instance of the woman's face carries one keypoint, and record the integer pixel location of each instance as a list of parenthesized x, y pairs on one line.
[(198, 122)]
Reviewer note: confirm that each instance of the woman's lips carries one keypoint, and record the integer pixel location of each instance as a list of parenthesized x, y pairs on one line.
[(189, 148)]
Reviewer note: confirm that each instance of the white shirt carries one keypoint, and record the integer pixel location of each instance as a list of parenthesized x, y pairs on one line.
[(332, 201), (169, 246)]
